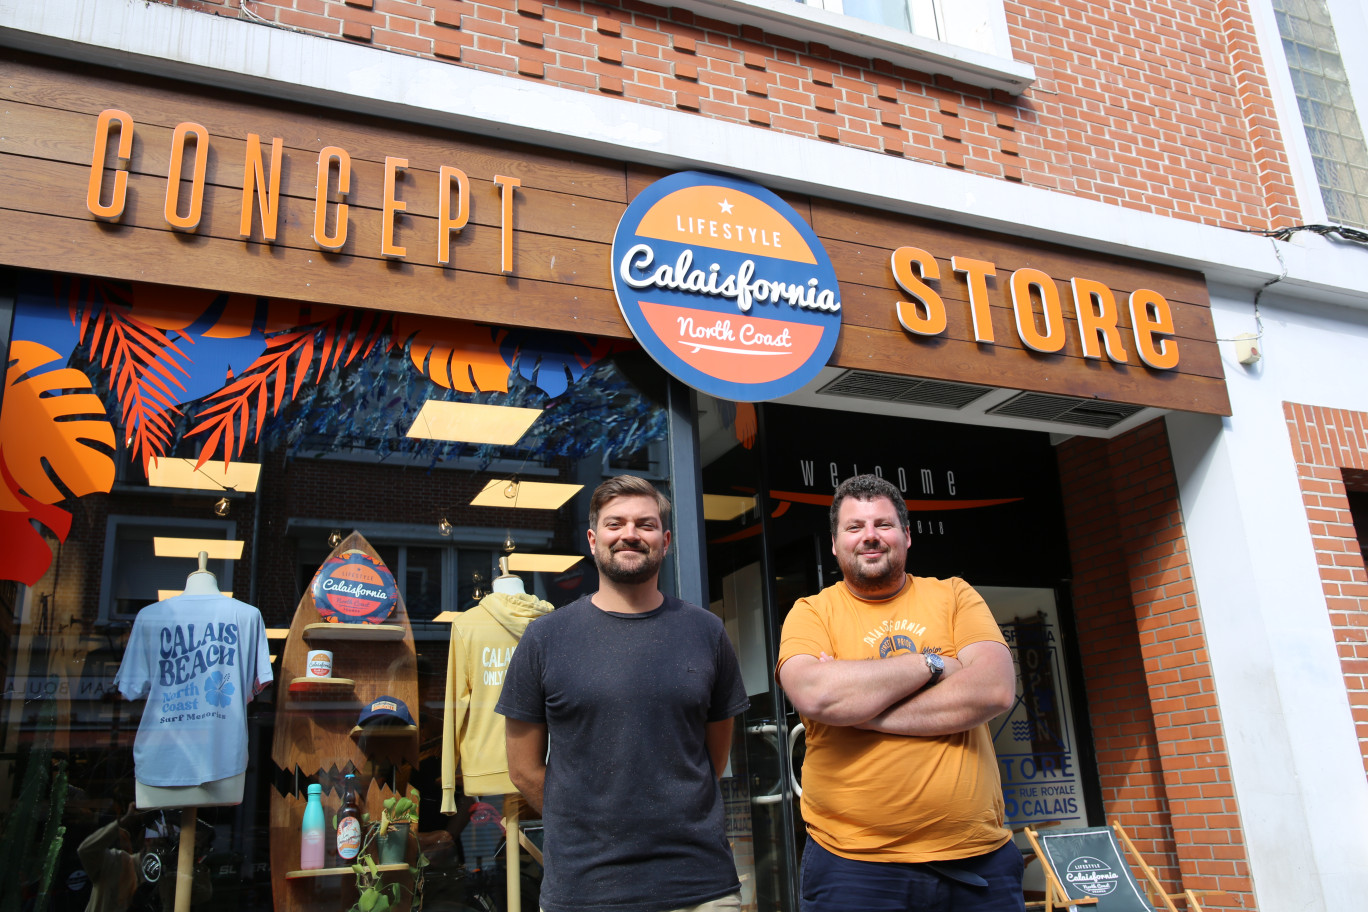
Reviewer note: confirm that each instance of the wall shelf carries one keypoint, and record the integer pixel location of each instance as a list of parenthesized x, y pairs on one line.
[(338, 872), (376, 632)]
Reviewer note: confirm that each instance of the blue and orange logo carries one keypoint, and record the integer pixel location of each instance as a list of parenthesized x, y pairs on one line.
[(726, 287)]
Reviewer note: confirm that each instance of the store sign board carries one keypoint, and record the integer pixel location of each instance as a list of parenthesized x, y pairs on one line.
[(726, 286)]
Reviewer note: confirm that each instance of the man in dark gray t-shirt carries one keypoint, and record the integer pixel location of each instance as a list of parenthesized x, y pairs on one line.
[(635, 692)]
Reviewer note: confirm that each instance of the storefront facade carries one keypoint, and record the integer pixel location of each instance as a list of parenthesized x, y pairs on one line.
[(260, 248)]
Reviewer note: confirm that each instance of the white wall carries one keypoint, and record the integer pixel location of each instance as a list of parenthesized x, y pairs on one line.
[(1294, 754)]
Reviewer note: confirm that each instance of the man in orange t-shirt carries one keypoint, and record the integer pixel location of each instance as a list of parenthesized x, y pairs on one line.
[(896, 677)]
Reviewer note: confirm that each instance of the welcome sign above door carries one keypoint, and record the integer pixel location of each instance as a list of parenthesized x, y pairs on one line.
[(726, 286)]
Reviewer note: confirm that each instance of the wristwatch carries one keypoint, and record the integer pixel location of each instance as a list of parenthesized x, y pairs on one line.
[(934, 664)]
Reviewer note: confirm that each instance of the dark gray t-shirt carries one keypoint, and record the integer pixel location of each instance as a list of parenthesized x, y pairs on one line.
[(633, 814)]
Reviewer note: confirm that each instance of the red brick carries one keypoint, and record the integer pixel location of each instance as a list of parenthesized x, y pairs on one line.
[(357, 31)]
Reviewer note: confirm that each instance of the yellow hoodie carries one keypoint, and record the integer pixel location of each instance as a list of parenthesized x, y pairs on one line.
[(482, 641)]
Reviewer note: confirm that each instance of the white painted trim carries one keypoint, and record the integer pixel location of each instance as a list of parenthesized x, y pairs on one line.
[(220, 51)]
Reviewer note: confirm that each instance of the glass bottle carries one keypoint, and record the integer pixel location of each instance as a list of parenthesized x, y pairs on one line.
[(311, 834), (349, 823)]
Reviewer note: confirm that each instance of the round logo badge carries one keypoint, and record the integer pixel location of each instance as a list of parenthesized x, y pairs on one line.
[(353, 588), (726, 286), (1092, 876)]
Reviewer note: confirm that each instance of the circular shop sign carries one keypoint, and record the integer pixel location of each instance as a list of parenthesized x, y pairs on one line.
[(354, 588), (726, 286)]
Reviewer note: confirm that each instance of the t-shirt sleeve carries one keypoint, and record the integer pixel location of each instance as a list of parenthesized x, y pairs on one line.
[(135, 671), (524, 693), (973, 621), (262, 673), (804, 634), (729, 690)]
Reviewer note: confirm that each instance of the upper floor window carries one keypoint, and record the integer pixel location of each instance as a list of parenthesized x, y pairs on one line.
[(1333, 130), (965, 39), (920, 17)]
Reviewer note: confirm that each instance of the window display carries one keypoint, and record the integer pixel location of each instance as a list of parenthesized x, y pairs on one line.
[(145, 424)]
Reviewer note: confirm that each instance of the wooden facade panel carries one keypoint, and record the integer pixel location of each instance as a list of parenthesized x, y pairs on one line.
[(995, 365), (880, 232), (229, 115), (475, 249), (1196, 358), (861, 281), (69, 137), (564, 217), (215, 264)]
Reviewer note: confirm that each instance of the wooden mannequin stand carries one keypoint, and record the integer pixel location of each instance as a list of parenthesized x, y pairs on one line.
[(219, 793)]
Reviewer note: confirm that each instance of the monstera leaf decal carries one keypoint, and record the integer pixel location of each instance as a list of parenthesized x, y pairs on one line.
[(456, 356), (49, 418)]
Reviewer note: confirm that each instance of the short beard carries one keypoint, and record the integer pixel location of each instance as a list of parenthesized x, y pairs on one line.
[(650, 566), (862, 579)]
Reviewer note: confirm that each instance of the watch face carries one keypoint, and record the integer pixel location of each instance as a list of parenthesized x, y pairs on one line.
[(935, 663)]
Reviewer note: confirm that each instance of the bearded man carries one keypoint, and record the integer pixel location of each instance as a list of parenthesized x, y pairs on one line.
[(634, 691), (895, 678)]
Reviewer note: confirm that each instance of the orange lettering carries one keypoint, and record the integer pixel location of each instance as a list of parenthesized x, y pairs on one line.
[(1097, 314), (320, 233), (1052, 339), (119, 197), (506, 185), (190, 221), (392, 206), (976, 273), (446, 222), (908, 281), (254, 184), (1150, 315)]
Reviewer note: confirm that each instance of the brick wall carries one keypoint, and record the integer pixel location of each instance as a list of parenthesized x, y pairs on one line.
[(1160, 107), (1330, 447), (1156, 726)]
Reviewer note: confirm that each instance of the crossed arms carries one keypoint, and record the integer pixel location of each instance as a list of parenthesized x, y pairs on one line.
[(890, 695)]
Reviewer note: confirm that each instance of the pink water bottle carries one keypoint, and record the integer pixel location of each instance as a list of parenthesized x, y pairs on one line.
[(311, 835)]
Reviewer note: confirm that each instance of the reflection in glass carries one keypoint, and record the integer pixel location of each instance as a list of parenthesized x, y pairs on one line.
[(322, 403)]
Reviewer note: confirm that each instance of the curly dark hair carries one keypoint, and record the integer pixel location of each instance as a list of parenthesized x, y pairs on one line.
[(867, 488)]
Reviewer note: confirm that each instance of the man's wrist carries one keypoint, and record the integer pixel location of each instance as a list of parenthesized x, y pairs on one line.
[(935, 667)]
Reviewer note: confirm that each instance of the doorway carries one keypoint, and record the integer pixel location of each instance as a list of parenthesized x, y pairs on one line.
[(983, 504)]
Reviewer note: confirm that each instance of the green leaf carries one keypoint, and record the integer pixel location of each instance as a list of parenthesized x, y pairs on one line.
[(358, 870), (381, 904), (367, 900)]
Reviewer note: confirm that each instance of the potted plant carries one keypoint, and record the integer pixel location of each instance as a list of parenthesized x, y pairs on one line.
[(372, 893), (397, 817)]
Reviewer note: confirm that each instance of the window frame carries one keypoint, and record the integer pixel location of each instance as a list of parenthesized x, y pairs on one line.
[(993, 67)]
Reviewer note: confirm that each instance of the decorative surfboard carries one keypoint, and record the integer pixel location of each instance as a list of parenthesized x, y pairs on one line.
[(354, 611)]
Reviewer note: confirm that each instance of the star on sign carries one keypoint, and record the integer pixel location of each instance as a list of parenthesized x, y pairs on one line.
[(726, 206)]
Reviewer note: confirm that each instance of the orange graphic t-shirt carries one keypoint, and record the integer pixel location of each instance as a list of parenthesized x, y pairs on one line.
[(878, 797)]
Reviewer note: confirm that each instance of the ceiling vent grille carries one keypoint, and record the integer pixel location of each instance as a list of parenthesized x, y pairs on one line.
[(1066, 410), (910, 390)]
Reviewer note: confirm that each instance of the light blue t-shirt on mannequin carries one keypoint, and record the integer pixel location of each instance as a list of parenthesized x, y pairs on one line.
[(198, 659)]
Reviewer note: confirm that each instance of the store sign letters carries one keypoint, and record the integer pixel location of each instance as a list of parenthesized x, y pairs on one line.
[(184, 206), (726, 286), (1094, 305)]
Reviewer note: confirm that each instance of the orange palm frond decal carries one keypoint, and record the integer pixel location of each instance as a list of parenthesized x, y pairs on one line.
[(141, 361), (281, 370)]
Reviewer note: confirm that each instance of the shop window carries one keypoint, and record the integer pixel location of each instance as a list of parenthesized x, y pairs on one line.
[(1325, 101)]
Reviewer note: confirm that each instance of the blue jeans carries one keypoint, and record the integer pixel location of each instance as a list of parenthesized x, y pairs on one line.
[(831, 883)]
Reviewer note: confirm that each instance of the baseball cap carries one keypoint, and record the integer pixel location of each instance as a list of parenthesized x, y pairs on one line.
[(385, 710)]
